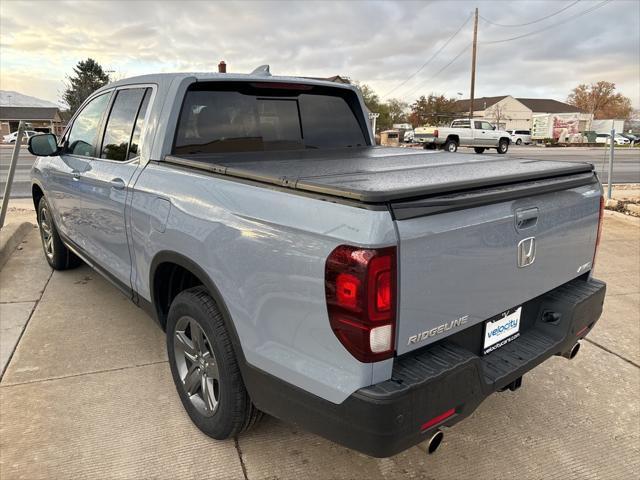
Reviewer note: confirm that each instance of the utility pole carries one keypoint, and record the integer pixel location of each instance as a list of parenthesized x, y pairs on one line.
[(473, 63)]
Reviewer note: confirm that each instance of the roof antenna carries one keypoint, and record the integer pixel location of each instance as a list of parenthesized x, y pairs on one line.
[(262, 70)]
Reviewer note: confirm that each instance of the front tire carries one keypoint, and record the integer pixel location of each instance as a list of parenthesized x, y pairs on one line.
[(478, 149), (58, 256), (503, 146), (204, 367), (451, 146)]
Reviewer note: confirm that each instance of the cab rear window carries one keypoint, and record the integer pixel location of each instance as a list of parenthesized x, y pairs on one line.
[(248, 117)]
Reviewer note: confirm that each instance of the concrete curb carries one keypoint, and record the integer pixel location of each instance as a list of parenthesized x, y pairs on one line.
[(10, 237)]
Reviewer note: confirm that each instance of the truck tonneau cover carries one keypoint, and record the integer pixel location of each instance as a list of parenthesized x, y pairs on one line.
[(377, 174)]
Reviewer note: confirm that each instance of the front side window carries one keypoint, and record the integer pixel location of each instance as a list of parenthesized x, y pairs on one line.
[(119, 129), (487, 126), (249, 117), (83, 137)]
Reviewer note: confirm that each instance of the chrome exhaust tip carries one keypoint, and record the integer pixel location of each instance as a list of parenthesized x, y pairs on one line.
[(434, 442), (571, 354)]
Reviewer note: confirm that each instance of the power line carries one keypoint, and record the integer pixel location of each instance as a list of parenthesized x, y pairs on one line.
[(584, 12), (532, 22), (451, 62), (430, 59)]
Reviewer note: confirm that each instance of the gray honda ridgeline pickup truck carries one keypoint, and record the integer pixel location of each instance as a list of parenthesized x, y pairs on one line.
[(371, 295)]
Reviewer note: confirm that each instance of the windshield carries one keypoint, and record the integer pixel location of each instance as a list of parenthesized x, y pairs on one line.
[(249, 117)]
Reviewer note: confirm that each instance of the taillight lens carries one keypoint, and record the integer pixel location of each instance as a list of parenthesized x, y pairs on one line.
[(360, 287), (599, 235), (435, 133)]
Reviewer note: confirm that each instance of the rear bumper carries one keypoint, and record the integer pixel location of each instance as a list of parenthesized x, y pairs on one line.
[(389, 417), (420, 139)]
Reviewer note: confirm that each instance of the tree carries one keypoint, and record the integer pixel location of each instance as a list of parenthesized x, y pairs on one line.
[(601, 100), (88, 76), (497, 113), (397, 110), (373, 103), (432, 110)]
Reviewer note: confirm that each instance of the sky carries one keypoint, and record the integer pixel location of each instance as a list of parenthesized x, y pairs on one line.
[(382, 44)]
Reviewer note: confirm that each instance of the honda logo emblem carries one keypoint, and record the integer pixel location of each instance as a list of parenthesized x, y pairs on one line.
[(526, 252)]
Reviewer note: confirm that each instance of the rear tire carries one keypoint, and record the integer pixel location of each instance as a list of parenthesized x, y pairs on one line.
[(519, 141), (58, 256), (451, 146), (503, 146), (201, 354), (478, 149)]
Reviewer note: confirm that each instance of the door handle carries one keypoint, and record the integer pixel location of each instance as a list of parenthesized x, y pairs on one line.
[(117, 183), (526, 218)]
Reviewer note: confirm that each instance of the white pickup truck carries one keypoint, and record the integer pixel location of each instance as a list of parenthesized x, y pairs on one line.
[(478, 134)]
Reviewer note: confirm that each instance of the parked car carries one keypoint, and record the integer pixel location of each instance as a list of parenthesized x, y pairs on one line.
[(520, 136), (11, 138), (477, 134), (631, 137), (606, 138), (371, 295)]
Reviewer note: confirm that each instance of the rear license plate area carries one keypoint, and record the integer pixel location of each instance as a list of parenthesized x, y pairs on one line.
[(501, 329)]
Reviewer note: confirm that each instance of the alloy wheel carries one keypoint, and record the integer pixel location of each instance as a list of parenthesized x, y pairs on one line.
[(46, 232), (197, 365)]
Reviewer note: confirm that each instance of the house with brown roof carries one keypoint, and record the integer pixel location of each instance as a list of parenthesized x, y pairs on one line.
[(512, 113), (39, 115)]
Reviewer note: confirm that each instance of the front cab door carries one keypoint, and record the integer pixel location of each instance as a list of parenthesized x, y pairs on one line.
[(63, 172)]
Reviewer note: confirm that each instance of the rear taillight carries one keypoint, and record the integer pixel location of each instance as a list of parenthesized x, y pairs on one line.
[(435, 133), (360, 287), (599, 234)]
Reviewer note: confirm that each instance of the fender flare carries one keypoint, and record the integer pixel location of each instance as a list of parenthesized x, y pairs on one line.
[(167, 256)]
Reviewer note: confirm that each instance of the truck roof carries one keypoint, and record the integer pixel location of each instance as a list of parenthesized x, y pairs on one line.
[(227, 77)]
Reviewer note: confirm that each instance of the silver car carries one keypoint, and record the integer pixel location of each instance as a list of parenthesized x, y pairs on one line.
[(520, 136)]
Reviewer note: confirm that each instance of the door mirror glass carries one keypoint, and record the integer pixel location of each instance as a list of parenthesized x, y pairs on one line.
[(43, 145)]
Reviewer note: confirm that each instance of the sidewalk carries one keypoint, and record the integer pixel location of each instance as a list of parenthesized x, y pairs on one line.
[(88, 394)]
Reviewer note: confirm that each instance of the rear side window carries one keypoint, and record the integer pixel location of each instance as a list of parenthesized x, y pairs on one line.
[(461, 124), (119, 129), (83, 136), (249, 117), (134, 148)]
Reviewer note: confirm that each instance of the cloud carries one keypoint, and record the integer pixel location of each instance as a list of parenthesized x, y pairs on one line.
[(379, 43)]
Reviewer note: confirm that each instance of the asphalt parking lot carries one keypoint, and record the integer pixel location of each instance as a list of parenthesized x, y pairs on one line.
[(88, 394)]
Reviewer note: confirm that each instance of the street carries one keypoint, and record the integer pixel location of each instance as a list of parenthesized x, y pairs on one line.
[(626, 167), (87, 393)]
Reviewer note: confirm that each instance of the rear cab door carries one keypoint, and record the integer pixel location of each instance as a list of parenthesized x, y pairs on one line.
[(106, 184), (463, 130)]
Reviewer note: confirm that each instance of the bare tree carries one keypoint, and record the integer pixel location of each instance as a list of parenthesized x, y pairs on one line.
[(498, 113)]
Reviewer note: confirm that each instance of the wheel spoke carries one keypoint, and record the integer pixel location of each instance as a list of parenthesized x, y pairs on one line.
[(197, 337), (211, 370), (192, 379), (185, 343), (207, 394)]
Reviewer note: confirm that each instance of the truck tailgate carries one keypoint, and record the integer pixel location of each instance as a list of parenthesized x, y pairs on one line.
[(458, 255)]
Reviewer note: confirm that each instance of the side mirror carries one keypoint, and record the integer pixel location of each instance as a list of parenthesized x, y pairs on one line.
[(44, 145)]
